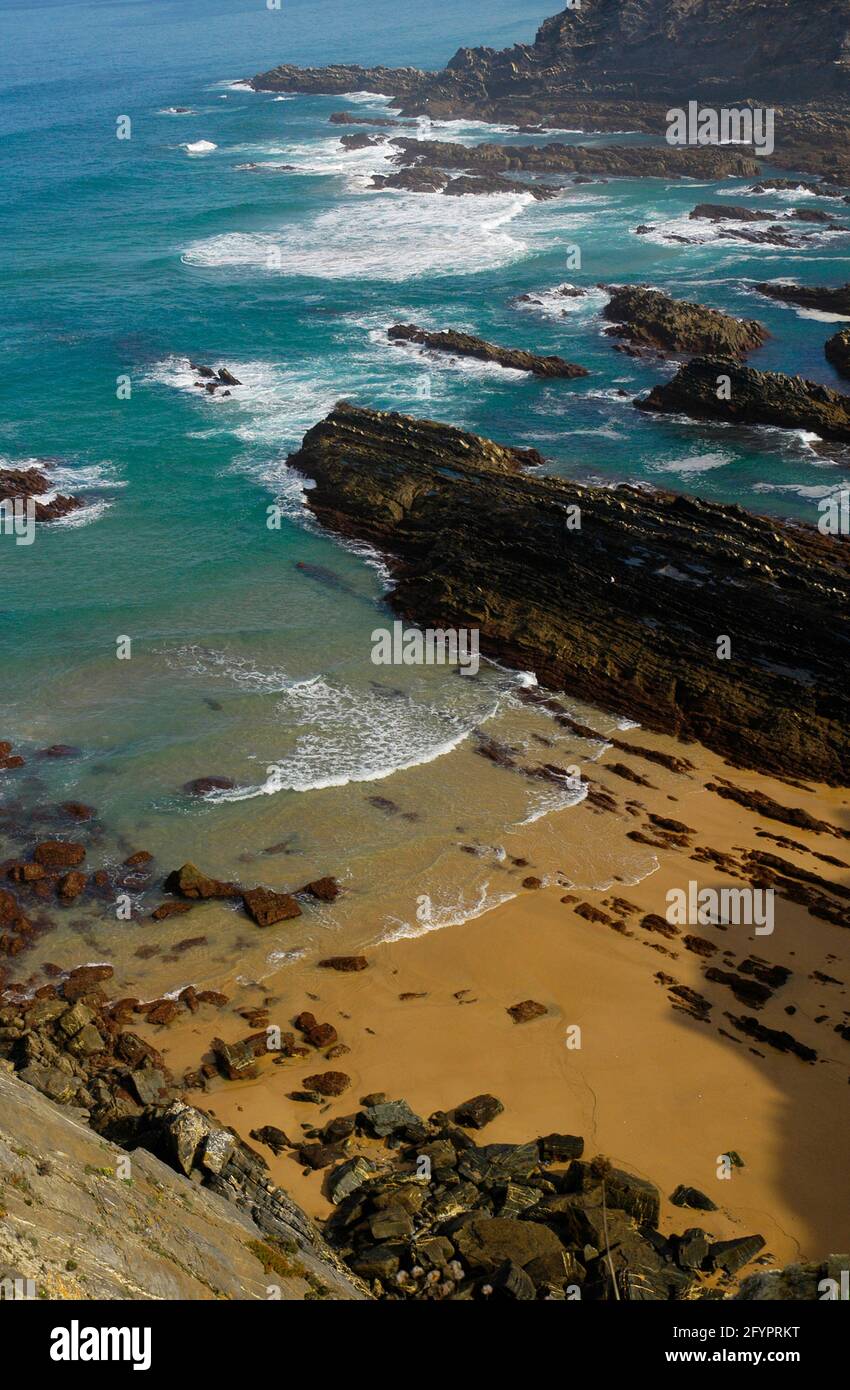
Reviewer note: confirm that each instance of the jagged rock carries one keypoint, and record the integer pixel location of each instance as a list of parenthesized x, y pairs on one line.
[(324, 890), (796, 1282), (652, 319), (273, 1137), (486, 1242), (626, 161), (732, 1255), (478, 1112), (265, 907), (350, 1176), (560, 1148), (691, 1248), (189, 882), (238, 1061), (476, 541), (160, 1236), (31, 485), (465, 345), (837, 352), (166, 910), (754, 398), (826, 300), (692, 1197), (391, 1117)]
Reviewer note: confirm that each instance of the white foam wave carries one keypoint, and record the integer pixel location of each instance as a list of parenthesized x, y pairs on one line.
[(198, 147), (451, 913), (394, 237)]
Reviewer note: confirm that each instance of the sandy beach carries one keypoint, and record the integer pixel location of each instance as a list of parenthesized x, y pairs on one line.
[(663, 1083)]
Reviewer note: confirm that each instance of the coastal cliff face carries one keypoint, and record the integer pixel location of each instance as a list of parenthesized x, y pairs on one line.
[(618, 64), (83, 1219), (637, 50), (626, 608)]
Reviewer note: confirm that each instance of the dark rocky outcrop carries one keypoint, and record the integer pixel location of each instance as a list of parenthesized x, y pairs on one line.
[(625, 161), (828, 301), (623, 611), (838, 352), (465, 345), (648, 318), (621, 64), (19, 486), (626, 49), (753, 398)]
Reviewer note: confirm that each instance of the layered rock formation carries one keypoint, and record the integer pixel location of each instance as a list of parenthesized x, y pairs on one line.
[(625, 161), (620, 64), (466, 345), (822, 298), (623, 610), (752, 398), (649, 318), (626, 49)]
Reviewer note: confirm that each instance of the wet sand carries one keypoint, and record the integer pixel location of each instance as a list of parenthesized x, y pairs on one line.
[(654, 1086)]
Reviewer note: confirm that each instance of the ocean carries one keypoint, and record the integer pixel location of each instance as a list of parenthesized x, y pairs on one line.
[(249, 644)]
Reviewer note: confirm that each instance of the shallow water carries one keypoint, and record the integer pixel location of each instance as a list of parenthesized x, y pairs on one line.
[(128, 258)]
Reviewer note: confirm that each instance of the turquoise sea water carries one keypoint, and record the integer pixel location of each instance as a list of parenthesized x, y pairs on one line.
[(124, 258)]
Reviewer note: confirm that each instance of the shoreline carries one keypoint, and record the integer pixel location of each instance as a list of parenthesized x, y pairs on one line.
[(655, 1087)]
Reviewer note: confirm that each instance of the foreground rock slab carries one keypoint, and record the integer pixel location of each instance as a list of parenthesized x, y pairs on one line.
[(625, 609)]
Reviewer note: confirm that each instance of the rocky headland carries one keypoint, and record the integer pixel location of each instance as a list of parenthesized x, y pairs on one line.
[(619, 65), (623, 609), (751, 398), (649, 319), (467, 345)]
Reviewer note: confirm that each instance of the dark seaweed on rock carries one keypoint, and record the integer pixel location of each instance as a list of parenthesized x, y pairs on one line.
[(624, 611)]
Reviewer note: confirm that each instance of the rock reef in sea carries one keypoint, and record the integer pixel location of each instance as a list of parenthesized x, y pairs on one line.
[(624, 609)]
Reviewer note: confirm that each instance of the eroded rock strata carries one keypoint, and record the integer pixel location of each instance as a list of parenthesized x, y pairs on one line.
[(466, 345), (624, 161), (648, 318), (823, 299), (626, 609), (620, 64), (714, 388)]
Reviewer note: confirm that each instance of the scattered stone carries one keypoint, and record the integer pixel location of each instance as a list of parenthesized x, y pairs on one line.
[(527, 1010)]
